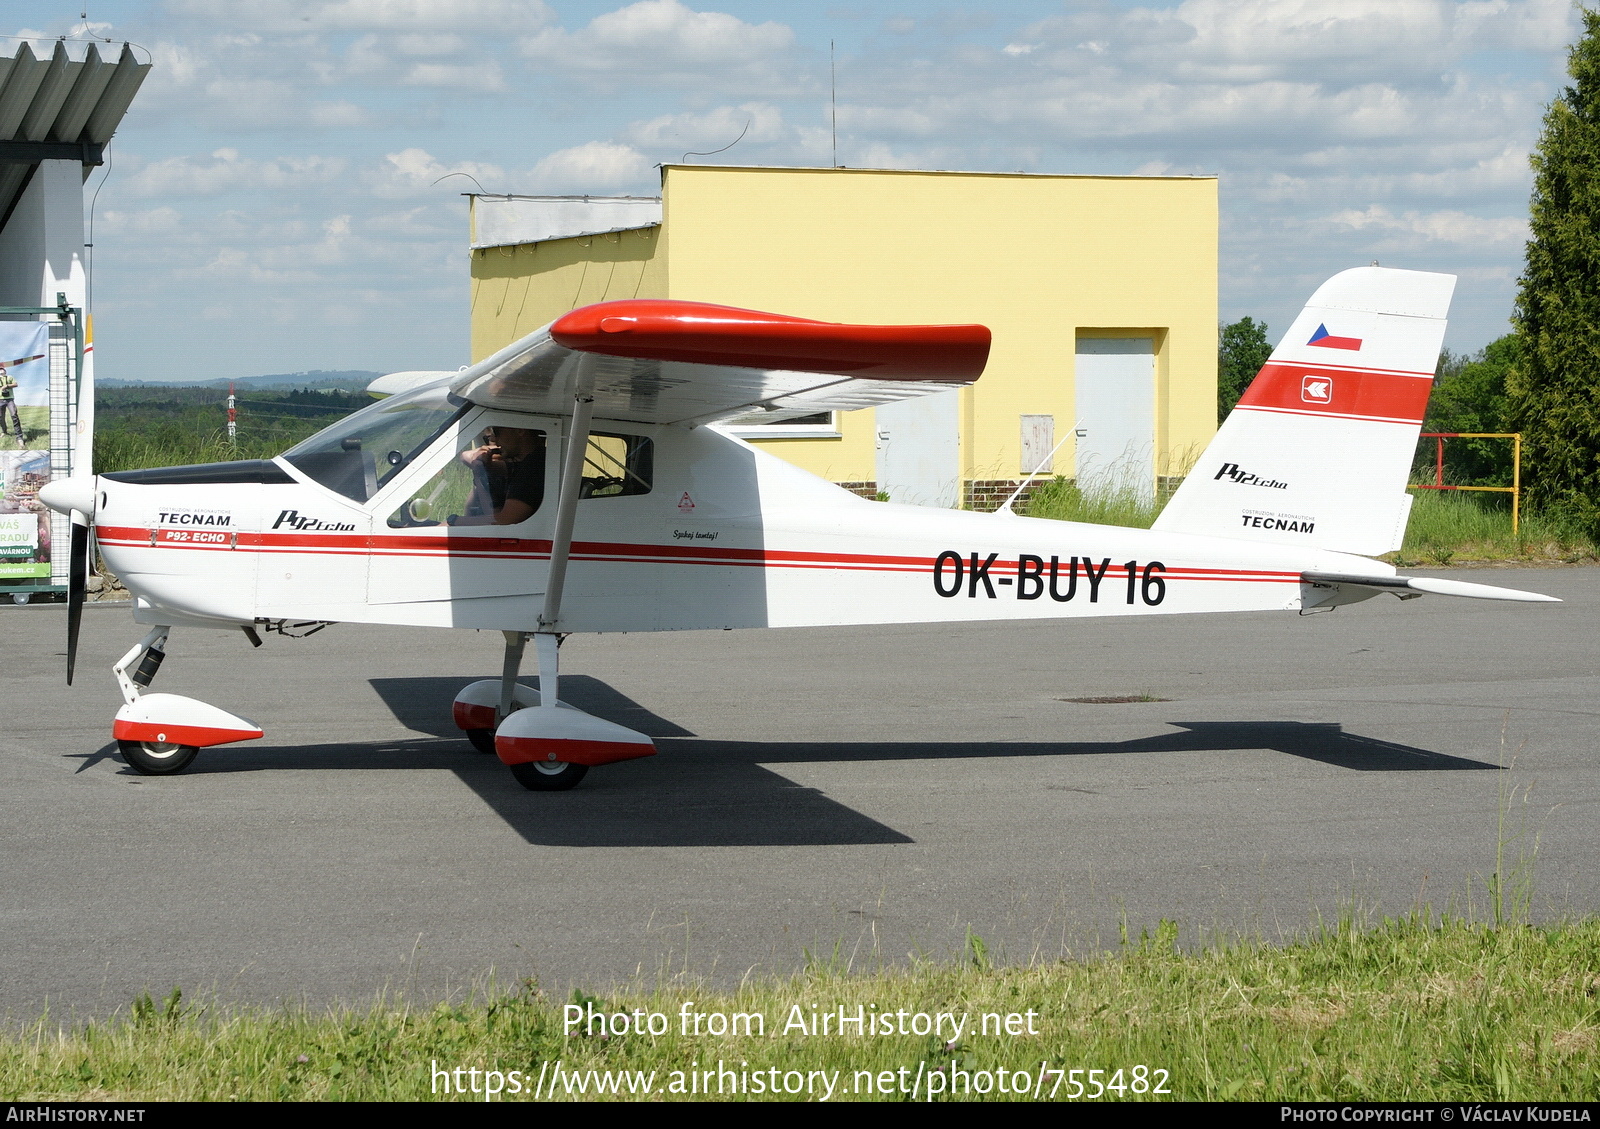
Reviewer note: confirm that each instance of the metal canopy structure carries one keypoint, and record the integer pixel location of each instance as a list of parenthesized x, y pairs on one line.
[(59, 109)]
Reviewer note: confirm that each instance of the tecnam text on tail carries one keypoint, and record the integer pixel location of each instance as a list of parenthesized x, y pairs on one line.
[(573, 483)]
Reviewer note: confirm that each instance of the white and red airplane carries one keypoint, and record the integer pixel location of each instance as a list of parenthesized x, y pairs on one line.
[(572, 483)]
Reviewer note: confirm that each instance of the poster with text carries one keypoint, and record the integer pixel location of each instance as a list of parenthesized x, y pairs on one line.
[(24, 450)]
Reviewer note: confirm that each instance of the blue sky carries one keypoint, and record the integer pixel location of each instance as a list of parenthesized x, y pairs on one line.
[(271, 204)]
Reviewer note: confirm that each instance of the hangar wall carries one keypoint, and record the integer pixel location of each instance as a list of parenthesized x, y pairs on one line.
[(1044, 261)]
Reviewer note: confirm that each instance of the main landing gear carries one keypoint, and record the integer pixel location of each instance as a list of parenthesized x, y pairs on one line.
[(548, 745), (161, 734)]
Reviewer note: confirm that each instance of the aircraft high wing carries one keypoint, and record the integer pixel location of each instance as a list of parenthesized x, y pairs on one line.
[(689, 363), (569, 484)]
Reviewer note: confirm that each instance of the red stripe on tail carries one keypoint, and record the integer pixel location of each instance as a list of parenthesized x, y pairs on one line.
[(1342, 392)]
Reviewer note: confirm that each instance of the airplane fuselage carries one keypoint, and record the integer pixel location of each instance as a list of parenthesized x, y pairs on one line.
[(726, 536)]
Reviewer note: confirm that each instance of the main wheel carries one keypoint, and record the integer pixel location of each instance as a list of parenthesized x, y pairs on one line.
[(548, 776), (482, 739), (156, 758)]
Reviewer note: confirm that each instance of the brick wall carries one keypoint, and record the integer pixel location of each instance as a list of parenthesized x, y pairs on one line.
[(986, 494)]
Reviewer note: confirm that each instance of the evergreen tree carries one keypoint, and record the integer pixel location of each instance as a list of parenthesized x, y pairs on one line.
[(1554, 389), (1242, 348)]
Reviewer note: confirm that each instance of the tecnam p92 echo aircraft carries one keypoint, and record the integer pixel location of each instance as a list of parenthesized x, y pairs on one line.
[(573, 483)]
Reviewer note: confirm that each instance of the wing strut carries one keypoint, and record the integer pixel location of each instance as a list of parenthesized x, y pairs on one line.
[(571, 485), (546, 640)]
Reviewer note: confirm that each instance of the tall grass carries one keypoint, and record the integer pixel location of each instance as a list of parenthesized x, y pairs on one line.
[(1448, 526), (1062, 500), (1413, 1010), (121, 448)]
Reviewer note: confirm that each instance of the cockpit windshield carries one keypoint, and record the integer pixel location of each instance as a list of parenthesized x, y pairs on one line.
[(357, 455)]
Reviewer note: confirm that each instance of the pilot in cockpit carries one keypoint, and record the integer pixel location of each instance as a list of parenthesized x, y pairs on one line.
[(507, 475)]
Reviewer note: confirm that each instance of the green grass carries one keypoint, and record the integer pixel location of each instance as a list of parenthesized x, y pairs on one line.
[(129, 449), (1411, 1010), (1448, 527), (169, 425), (1061, 500)]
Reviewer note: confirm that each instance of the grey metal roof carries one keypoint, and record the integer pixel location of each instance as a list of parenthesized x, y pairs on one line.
[(58, 108)]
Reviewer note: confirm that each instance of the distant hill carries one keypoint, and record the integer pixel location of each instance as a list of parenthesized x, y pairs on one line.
[(355, 379)]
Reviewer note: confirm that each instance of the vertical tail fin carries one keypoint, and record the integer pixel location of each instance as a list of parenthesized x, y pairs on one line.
[(1318, 450)]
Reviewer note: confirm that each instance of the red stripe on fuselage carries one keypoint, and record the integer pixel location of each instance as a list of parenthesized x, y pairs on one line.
[(609, 552), (1350, 392)]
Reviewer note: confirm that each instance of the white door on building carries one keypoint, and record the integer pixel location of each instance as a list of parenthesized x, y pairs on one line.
[(919, 450), (1116, 393)]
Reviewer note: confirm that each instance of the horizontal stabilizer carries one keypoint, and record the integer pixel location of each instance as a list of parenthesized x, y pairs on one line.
[(1428, 584)]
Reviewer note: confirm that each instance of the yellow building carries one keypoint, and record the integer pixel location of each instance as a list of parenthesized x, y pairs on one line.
[(1101, 293)]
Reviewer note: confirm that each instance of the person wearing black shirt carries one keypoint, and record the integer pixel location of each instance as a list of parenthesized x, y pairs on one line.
[(509, 474)]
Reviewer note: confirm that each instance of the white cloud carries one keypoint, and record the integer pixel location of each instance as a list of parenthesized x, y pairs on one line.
[(469, 76), (369, 15), (714, 127), (1341, 132), (430, 44), (113, 223), (228, 172), (339, 115), (1435, 227), (413, 171), (414, 60), (597, 166), (659, 36), (1397, 41)]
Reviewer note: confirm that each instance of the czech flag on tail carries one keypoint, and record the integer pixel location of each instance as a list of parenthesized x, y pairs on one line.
[(1325, 340)]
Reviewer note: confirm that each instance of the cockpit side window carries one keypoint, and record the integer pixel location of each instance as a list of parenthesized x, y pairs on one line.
[(617, 466), (359, 454), (496, 477)]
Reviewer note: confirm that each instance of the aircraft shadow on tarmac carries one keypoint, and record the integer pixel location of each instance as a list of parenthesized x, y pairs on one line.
[(718, 793)]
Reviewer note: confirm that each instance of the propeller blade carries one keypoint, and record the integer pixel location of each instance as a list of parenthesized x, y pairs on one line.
[(77, 589)]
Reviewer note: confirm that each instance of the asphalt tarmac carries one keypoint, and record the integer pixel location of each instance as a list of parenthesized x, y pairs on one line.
[(860, 795)]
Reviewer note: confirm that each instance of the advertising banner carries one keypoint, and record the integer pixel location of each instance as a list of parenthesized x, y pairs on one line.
[(24, 450)]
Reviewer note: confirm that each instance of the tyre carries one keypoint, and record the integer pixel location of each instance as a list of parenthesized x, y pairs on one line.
[(548, 776), (482, 739), (153, 759)]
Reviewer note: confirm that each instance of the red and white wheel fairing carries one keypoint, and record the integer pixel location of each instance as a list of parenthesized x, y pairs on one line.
[(567, 736), (171, 719), (478, 703)]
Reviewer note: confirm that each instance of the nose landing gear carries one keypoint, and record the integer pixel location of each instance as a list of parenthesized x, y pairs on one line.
[(161, 734)]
